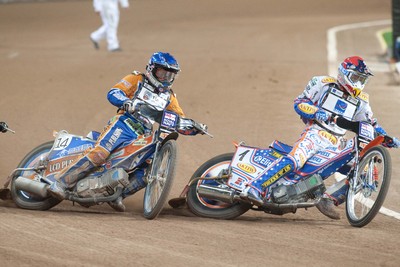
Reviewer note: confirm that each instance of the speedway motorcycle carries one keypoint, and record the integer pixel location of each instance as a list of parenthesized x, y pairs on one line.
[(156, 149), (214, 189)]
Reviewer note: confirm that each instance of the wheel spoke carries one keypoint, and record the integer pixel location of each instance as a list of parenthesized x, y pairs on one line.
[(373, 177)]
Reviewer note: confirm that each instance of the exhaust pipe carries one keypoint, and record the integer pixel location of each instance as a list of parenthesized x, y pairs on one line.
[(31, 186), (217, 193)]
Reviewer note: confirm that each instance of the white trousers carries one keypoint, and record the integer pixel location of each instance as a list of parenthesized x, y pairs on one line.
[(109, 29)]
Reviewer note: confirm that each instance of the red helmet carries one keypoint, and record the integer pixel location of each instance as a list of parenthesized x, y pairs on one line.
[(353, 75)]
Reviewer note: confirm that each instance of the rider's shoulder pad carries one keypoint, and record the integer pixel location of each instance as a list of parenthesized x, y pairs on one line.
[(328, 79)]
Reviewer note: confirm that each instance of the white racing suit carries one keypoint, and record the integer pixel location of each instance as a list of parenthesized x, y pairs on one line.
[(109, 13), (322, 92)]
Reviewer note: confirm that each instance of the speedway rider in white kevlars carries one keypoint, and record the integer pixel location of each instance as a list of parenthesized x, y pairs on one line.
[(156, 85), (109, 13), (326, 106)]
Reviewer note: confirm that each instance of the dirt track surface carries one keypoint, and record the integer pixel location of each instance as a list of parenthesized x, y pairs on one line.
[(243, 64)]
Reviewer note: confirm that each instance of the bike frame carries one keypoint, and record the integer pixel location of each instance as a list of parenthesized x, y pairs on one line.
[(249, 163)]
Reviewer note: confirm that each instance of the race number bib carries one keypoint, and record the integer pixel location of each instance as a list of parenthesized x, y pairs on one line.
[(159, 102)]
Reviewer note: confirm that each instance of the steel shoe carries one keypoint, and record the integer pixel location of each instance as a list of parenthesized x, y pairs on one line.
[(326, 207), (117, 205)]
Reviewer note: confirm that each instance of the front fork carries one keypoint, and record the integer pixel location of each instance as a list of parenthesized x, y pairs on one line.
[(153, 172)]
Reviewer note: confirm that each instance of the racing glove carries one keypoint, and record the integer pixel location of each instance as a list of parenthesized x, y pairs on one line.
[(378, 128), (201, 127), (393, 143), (321, 115), (190, 127), (128, 106)]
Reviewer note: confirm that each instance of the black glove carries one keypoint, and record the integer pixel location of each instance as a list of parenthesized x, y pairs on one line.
[(3, 127)]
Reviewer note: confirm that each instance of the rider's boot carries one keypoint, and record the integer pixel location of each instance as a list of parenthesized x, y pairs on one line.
[(136, 183), (327, 207), (255, 191), (334, 196), (337, 192), (68, 177)]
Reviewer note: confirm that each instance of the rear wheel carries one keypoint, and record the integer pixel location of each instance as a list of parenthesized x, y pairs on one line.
[(365, 197), (27, 200), (157, 189), (211, 208)]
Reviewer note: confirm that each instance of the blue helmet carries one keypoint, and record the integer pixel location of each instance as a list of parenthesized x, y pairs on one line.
[(162, 69)]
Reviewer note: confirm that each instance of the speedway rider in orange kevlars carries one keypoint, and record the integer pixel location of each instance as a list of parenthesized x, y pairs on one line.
[(155, 85), (326, 106)]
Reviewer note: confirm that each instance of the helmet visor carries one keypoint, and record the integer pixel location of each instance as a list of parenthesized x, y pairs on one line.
[(164, 75), (357, 78)]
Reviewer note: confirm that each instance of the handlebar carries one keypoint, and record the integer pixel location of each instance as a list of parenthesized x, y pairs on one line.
[(201, 129), (4, 128)]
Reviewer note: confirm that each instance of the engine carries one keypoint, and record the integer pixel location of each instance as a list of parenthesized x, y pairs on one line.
[(309, 188), (103, 185)]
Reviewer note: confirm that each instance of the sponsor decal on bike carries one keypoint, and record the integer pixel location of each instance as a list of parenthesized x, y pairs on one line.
[(113, 139), (328, 136), (275, 154), (262, 160), (239, 181), (366, 131), (246, 168), (169, 120), (278, 175), (307, 108), (74, 150), (55, 166), (140, 142), (134, 126)]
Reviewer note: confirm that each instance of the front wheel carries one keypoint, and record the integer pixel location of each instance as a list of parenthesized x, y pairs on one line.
[(367, 193), (211, 208), (159, 186), (27, 200)]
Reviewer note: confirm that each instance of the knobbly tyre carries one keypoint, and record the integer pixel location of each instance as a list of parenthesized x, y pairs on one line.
[(5, 193), (214, 189), (157, 148)]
